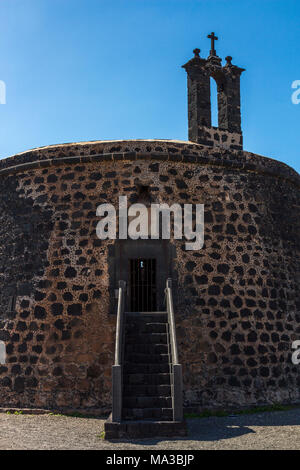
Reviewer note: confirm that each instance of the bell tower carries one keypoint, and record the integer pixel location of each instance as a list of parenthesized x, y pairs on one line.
[(228, 134)]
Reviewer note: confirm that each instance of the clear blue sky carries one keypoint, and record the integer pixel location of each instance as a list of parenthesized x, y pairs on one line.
[(111, 69)]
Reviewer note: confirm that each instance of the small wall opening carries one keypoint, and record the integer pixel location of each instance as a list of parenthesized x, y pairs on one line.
[(214, 102), (2, 352)]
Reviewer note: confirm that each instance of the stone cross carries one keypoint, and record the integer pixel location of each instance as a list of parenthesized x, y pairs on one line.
[(213, 38)]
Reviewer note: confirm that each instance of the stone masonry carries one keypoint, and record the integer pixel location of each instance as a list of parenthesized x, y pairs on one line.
[(237, 308)]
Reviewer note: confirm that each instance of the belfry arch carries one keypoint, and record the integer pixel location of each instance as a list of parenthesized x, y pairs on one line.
[(214, 102)]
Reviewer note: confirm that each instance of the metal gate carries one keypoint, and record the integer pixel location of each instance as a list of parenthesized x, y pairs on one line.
[(142, 285)]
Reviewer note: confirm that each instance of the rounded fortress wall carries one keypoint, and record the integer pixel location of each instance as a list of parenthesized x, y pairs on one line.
[(237, 300)]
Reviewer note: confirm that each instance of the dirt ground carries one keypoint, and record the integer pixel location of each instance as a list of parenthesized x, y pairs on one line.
[(275, 430)]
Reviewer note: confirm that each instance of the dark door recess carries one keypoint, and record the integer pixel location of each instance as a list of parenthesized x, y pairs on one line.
[(158, 256), (142, 285)]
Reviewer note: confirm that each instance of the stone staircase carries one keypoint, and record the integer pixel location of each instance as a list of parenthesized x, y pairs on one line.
[(146, 375), (147, 378), (147, 391)]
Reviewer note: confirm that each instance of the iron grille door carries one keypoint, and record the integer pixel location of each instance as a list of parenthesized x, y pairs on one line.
[(142, 285)]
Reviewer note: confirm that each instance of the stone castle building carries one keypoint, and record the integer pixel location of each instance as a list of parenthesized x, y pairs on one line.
[(236, 301)]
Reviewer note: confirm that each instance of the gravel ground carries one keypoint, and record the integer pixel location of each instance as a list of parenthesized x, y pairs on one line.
[(275, 430)]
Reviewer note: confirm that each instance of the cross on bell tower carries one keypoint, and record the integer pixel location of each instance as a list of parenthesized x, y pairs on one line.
[(212, 38)]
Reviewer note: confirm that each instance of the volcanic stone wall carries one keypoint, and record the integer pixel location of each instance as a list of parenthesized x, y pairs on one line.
[(237, 303)]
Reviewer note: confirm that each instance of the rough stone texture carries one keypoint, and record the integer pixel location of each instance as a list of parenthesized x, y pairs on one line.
[(237, 304), (218, 138)]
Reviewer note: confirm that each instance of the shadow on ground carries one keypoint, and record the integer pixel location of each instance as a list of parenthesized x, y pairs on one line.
[(222, 428)]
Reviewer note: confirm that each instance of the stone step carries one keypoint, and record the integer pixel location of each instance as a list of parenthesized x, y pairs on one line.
[(147, 379), (145, 390), (149, 348), (147, 338), (146, 369), (162, 414), (139, 358), (146, 328), (153, 317), (147, 402), (144, 429)]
